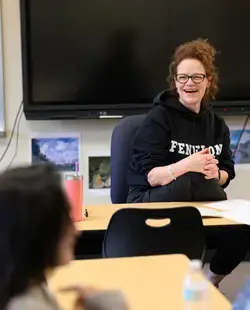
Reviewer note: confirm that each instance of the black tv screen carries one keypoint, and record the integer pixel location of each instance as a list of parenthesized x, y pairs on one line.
[(86, 58)]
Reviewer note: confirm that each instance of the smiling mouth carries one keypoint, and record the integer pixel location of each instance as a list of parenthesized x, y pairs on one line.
[(190, 91)]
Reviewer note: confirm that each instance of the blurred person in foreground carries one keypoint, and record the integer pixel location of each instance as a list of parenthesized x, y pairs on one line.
[(36, 236)]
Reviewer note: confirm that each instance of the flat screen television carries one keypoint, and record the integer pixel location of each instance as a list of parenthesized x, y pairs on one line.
[(93, 58)]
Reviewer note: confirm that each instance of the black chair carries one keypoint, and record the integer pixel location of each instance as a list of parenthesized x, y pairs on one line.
[(121, 152), (129, 234)]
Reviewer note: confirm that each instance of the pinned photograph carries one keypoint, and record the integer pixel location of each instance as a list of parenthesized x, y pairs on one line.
[(99, 172), (240, 146), (62, 152)]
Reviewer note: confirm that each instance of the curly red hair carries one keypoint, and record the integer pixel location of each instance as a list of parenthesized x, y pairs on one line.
[(203, 51)]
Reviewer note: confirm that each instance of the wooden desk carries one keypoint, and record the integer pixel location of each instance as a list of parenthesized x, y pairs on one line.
[(100, 215), (152, 282)]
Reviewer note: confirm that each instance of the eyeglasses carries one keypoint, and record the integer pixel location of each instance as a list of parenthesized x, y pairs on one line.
[(196, 78)]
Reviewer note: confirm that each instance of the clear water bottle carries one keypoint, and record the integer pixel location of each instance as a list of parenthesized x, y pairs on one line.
[(195, 288)]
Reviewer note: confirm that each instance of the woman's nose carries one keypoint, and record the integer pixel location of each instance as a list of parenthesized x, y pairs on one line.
[(190, 82)]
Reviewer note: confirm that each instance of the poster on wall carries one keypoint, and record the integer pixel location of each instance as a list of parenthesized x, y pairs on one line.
[(99, 172), (240, 145), (61, 150)]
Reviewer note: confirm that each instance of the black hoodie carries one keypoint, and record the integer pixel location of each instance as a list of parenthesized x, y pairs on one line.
[(171, 132)]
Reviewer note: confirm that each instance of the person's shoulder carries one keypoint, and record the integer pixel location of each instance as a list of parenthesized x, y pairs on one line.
[(27, 303), (157, 116), (158, 111), (218, 119), (34, 299)]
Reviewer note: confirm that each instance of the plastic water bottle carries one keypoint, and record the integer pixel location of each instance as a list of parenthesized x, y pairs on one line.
[(195, 288)]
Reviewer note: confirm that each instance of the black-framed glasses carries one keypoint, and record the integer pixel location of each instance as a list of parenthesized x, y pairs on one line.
[(196, 78)]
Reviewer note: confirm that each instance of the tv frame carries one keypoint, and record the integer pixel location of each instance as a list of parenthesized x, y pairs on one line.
[(73, 111)]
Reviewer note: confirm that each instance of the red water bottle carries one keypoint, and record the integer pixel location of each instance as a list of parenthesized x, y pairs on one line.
[(74, 190)]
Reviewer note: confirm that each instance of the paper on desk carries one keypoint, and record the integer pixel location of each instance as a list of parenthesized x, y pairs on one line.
[(242, 215), (237, 210), (209, 212), (226, 205)]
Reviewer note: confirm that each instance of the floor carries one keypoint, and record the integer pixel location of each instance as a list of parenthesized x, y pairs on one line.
[(233, 283)]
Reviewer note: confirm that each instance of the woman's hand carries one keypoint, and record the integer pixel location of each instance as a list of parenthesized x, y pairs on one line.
[(82, 293), (94, 298), (198, 162), (211, 171)]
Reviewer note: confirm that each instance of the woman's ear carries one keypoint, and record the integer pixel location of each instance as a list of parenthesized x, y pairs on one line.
[(209, 79)]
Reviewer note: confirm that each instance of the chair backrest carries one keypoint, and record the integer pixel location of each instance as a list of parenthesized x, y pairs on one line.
[(130, 234), (121, 153)]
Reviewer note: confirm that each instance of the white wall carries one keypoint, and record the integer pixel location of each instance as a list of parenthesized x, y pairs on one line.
[(95, 133)]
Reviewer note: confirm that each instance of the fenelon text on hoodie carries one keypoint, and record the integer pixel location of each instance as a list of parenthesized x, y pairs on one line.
[(171, 132)]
